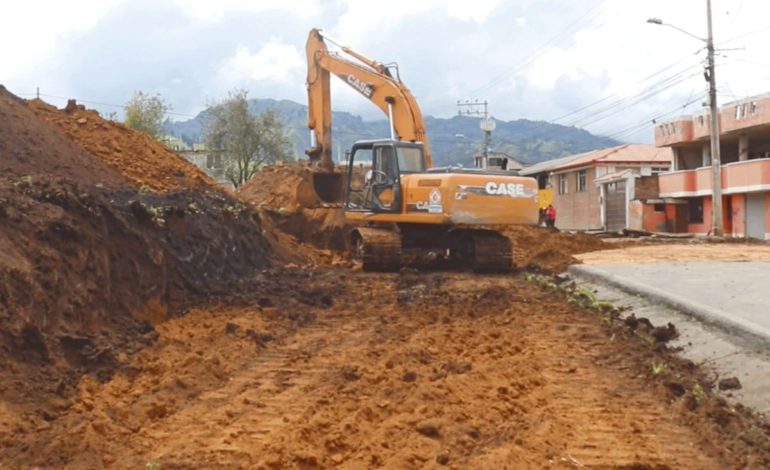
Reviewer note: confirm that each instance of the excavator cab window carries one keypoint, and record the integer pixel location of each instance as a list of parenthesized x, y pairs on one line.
[(410, 159), (373, 177)]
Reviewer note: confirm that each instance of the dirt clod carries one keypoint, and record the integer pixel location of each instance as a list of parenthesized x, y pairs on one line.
[(730, 383), (429, 428)]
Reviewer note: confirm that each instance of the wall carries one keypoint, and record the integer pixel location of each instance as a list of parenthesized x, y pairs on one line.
[(738, 215), (577, 211), (656, 221), (728, 219), (767, 215), (636, 215), (646, 187)]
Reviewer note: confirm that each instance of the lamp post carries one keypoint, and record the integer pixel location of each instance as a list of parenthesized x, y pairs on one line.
[(717, 225)]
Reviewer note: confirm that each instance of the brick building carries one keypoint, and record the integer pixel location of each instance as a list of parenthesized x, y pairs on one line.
[(592, 190)]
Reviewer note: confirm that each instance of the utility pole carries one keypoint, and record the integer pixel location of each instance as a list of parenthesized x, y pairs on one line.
[(479, 108), (717, 223), (716, 160)]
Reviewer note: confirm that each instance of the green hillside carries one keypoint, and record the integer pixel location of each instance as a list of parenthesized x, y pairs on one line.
[(453, 140)]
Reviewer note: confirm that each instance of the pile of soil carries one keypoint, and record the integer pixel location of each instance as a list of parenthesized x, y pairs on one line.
[(30, 146), (303, 228), (143, 160), (549, 251), (90, 259), (283, 187)]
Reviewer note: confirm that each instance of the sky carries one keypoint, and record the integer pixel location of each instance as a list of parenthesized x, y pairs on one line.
[(592, 64)]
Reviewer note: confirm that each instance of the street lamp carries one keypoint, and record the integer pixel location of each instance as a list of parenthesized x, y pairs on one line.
[(716, 178)]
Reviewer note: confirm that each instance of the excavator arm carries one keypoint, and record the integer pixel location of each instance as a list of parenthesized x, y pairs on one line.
[(368, 77)]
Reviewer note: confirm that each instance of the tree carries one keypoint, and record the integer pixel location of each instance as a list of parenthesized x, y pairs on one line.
[(146, 113), (244, 142)]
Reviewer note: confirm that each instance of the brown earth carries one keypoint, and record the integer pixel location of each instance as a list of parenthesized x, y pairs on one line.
[(331, 368), (549, 251), (680, 251), (89, 262), (144, 161), (30, 146)]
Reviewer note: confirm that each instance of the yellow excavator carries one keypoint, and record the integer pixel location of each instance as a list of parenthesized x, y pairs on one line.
[(398, 201)]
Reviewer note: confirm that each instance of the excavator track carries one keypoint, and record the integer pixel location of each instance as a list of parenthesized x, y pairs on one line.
[(491, 252), (379, 249)]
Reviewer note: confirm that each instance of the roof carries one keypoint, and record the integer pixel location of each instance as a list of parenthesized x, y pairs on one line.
[(616, 176), (549, 164), (626, 153)]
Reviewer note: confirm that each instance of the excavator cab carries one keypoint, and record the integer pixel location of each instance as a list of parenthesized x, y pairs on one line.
[(374, 174)]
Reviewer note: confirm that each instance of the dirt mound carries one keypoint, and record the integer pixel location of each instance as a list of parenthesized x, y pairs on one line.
[(302, 226), (89, 262), (285, 187), (547, 250), (146, 162), (30, 146)]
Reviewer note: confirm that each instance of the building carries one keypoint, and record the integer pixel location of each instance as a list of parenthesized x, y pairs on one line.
[(593, 190), (496, 160), (745, 156)]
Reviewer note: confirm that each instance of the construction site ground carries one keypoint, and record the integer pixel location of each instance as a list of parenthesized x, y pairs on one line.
[(159, 322)]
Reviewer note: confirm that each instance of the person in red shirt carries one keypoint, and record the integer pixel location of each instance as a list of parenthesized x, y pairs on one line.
[(550, 216)]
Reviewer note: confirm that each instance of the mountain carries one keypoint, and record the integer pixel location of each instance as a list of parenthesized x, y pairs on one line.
[(453, 140)]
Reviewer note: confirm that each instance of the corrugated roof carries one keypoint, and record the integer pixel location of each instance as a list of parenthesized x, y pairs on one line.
[(626, 153)]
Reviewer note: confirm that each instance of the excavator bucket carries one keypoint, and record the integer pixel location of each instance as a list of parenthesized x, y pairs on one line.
[(328, 186)]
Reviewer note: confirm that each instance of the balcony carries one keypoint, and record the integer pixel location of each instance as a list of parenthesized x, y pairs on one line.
[(749, 175), (737, 177), (677, 183)]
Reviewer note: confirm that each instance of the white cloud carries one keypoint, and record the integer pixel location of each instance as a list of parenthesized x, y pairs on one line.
[(275, 61), (215, 10), (476, 11), (30, 30)]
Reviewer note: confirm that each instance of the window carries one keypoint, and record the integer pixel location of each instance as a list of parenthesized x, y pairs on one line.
[(563, 186), (582, 177), (659, 207), (410, 160), (696, 210)]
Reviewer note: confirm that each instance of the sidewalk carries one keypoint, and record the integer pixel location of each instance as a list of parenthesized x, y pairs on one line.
[(730, 342), (732, 295)]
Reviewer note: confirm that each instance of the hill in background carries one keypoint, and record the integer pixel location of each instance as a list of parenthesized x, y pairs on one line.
[(453, 140)]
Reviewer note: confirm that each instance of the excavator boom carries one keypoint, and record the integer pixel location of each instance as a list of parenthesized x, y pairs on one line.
[(368, 77)]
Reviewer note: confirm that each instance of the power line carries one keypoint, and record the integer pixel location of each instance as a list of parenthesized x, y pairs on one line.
[(557, 39), (618, 94), (654, 117), (641, 98)]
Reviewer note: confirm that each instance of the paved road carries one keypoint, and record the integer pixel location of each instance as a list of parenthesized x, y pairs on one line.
[(729, 293)]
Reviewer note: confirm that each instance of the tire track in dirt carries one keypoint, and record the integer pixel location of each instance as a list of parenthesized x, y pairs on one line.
[(412, 370), (607, 404)]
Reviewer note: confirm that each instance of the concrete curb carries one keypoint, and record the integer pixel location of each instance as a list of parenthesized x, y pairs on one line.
[(735, 326)]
